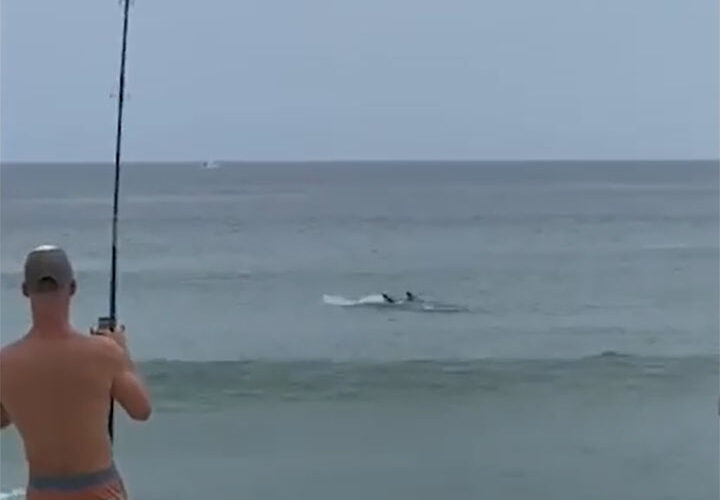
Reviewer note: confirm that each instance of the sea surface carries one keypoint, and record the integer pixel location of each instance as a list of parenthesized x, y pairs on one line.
[(564, 347)]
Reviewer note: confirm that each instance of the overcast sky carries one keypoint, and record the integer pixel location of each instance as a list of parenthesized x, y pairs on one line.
[(362, 79)]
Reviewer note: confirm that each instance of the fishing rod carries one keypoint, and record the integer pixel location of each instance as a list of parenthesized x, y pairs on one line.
[(109, 322)]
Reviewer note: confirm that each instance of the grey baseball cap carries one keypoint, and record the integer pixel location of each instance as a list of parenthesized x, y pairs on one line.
[(47, 262)]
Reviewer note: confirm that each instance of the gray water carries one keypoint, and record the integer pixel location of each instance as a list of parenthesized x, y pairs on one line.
[(578, 358)]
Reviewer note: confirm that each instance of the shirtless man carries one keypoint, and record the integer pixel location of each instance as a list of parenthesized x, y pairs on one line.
[(56, 385)]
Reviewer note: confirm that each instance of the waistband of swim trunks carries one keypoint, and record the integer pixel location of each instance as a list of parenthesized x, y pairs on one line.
[(75, 481)]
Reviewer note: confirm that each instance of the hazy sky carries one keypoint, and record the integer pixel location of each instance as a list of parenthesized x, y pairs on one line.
[(362, 79)]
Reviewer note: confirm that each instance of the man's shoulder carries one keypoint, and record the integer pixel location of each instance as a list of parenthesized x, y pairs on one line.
[(100, 342), (11, 350), (103, 346), (95, 346), (14, 357)]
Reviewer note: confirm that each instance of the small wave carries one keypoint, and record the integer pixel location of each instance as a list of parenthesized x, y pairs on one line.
[(612, 354), (668, 246), (440, 307), (638, 187), (184, 385)]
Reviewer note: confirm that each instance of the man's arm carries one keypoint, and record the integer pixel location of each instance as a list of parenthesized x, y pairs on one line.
[(5, 419), (127, 388)]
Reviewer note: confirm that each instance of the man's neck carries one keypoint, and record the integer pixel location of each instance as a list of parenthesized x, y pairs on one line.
[(50, 312), (51, 324)]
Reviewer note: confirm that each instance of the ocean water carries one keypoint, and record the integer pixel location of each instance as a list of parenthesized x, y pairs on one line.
[(565, 345)]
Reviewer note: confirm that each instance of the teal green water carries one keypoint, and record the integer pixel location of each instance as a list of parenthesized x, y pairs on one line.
[(579, 359)]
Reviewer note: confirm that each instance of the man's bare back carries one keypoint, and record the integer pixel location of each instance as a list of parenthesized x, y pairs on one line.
[(58, 393), (56, 385)]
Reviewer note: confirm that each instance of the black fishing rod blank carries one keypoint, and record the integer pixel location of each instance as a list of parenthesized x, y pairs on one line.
[(109, 322)]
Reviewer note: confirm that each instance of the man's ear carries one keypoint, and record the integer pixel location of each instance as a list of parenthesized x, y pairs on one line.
[(73, 287), (25, 290)]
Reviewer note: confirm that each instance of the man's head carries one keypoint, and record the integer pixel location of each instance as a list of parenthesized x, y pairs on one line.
[(48, 272)]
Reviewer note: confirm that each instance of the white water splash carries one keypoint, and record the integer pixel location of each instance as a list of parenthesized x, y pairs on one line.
[(337, 300), (16, 493), (377, 300)]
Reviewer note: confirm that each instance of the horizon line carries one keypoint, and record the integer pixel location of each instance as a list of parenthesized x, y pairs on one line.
[(349, 160)]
